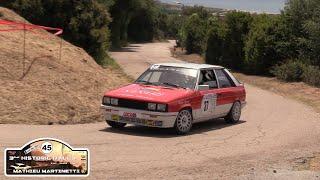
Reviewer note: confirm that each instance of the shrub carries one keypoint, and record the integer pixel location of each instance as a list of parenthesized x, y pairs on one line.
[(195, 34), (290, 71), (215, 43), (226, 39), (311, 75), (132, 20), (85, 23), (260, 49), (238, 25)]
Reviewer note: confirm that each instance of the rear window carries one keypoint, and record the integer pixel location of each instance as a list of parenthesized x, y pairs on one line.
[(224, 79)]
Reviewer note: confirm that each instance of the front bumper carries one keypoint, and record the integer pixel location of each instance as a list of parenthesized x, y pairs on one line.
[(141, 117)]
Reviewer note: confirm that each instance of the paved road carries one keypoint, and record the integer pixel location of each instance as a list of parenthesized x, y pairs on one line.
[(273, 133), (136, 58)]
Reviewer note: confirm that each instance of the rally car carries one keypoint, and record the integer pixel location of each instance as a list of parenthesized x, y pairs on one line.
[(176, 95)]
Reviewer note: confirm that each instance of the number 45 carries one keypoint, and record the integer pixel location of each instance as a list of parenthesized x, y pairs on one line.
[(46, 147)]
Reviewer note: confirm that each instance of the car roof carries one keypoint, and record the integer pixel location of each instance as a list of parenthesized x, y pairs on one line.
[(189, 65)]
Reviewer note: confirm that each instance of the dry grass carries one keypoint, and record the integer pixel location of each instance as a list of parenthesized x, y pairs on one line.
[(181, 54), (298, 91), (52, 91)]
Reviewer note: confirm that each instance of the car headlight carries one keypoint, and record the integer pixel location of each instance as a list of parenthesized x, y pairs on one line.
[(152, 106), (161, 107), (114, 101), (106, 100)]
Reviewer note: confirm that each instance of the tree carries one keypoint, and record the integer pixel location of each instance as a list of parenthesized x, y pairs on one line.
[(142, 26), (226, 39), (237, 28), (132, 19), (202, 12), (85, 23), (261, 47), (301, 18), (215, 42), (195, 34)]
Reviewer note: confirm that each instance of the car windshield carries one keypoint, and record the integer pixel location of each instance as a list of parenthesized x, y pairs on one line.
[(169, 76)]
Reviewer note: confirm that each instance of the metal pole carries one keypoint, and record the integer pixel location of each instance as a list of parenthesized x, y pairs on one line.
[(24, 49), (60, 49)]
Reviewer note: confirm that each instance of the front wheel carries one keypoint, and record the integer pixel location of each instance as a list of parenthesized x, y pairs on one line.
[(234, 114), (116, 125), (184, 122)]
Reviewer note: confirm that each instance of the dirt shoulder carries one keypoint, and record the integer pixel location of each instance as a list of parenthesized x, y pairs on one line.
[(297, 90), (44, 89)]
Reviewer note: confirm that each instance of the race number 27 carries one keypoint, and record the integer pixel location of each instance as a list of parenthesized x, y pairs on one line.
[(206, 105)]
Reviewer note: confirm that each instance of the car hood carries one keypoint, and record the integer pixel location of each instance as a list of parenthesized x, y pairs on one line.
[(149, 93)]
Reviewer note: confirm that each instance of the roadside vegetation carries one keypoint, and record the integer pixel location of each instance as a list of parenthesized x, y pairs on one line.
[(98, 25), (286, 46)]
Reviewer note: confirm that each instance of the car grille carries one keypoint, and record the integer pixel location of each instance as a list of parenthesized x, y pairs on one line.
[(132, 104)]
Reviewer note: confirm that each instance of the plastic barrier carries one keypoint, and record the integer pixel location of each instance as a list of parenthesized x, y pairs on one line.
[(20, 26), (16, 26)]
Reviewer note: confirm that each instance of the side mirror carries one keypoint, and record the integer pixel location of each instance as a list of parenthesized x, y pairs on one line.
[(203, 87)]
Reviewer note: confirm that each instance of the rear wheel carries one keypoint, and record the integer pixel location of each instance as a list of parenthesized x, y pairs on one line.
[(116, 125), (234, 114), (183, 122)]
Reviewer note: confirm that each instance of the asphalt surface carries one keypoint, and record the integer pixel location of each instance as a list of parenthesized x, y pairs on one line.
[(273, 133)]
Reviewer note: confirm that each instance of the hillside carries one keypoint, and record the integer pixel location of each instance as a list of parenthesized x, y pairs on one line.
[(53, 91)]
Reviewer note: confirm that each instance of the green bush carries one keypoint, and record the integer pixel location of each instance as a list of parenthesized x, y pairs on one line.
[(195, 34), (85, 23), (290, 71), (238, 25), (262, 45), (215, 43), (226, 39), (294, 71), (311, 75), (133, 20)]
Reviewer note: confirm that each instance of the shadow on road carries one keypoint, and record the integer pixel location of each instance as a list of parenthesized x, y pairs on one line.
[(131, 48), (198, 128)]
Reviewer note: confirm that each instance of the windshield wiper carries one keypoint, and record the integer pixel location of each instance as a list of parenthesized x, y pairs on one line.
[(173, 85), (145, 82)]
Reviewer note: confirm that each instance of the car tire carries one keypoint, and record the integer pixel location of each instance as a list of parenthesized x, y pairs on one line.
[(234, 114), (183, 122), (117, 125)]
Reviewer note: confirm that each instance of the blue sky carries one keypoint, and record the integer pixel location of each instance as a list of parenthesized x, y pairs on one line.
[(271, 6)]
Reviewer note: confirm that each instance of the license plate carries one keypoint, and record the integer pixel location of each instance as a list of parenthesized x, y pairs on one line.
[(149, 123), (129, 115), (115, 117)]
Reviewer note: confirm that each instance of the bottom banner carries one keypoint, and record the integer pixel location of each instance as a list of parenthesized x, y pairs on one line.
[(46, 157)]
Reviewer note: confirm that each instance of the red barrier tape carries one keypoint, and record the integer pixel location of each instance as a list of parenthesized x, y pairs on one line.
[(17, 26)]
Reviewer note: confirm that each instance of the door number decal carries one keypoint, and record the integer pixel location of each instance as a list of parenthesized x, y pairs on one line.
[(209, 102)]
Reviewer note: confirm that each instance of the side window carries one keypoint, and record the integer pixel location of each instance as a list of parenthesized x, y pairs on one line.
[(207, 77), (224, 79)]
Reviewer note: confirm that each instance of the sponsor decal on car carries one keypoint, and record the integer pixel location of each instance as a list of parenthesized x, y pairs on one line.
[(132, 118), (46, 157), (129, 115)]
